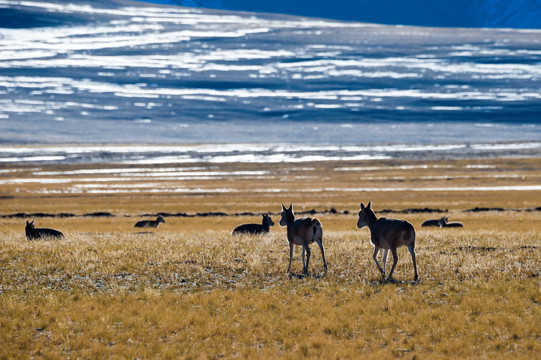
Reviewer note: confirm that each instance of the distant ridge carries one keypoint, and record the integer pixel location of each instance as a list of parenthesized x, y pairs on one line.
[(331, 211), (520, 14)]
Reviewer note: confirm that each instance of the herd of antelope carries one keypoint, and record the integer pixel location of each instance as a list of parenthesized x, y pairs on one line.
[(385, 234)]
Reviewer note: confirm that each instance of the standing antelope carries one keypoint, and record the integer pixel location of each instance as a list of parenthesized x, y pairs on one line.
[(302, 232), (33, 233), (150, 223), (388, 234), (262, 228)]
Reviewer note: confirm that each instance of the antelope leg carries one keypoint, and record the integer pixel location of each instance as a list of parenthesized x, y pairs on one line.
[(375, 256), (322, 254), (384, 259), (395, 260), (290, 256), (307, 258), (411, 249)]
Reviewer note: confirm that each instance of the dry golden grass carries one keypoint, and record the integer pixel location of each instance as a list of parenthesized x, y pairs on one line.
[(191, 290), (308, 185), (209, 294)]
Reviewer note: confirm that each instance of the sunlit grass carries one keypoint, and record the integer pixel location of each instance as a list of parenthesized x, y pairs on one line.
[(190, 289), (210, 294)]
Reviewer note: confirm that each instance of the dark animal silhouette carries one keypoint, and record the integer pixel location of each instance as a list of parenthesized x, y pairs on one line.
[(388, 234), (436, 222), (150, 223), (33, 233), (302, 232), (454, 224), (266, 222)]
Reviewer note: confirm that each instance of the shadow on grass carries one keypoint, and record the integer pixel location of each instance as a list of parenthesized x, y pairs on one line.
[(381, 282), (308, 276)]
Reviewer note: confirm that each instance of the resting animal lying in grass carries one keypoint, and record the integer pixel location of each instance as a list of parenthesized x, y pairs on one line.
[(264, 227), (33, 233), (150, 223)]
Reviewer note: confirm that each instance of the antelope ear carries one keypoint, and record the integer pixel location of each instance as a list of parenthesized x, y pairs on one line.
[(370, 205), (32, 223), (291, 207), (362, 206), (283, 207)]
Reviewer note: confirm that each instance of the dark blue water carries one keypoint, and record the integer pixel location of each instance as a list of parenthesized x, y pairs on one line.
[(86, 74)]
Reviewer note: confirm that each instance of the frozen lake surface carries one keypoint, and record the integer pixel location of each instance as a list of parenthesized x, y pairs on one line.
[(141, 155), (113, 72)]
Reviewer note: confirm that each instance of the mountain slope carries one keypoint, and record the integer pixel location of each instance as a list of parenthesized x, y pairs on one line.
[(456, 13)]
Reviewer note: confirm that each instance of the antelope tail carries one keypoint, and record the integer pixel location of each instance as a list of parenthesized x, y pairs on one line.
[(317, 230)]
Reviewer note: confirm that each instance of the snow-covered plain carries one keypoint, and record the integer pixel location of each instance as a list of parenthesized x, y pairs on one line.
[(120, 72)]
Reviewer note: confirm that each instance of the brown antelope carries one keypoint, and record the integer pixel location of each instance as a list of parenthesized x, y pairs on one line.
[(302, 232), (388, 234), (150, 223), (33, 233), (262, 228), (436, 222)]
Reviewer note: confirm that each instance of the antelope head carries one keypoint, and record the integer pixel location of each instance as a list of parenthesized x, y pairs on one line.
[(267, 220), (287, 215), (362, 222), (29, 225)]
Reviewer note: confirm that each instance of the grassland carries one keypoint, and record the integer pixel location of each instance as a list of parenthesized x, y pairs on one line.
[(191, 290)]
